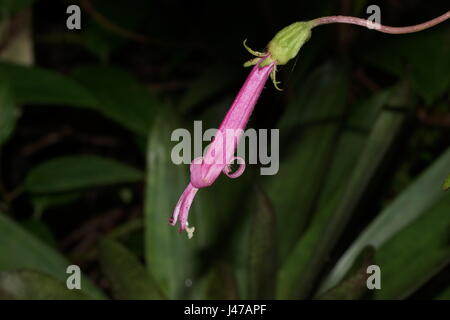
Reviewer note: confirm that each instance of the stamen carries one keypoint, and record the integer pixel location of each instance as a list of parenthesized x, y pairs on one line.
[(189, 230)]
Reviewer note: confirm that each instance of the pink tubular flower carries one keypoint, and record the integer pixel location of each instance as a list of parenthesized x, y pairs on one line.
[(220, 154), (281, 49)]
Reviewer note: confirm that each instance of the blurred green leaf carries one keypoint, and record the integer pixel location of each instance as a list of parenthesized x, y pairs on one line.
[(76, 172), (378, 143), (355, 163), (312, 120), (40, 230), (109, 90), (8, 113), (446, 184), (263, 250), (127, 277), (291, 272), (21, 250), (164, 246), (34, 85), (353, 286), (33, 285), (321, 98), (120, 96), (351, 142), (364, 114), (416, 253), (411, 204), (42, 202), (430, 69), (222, 216), (169, 254)]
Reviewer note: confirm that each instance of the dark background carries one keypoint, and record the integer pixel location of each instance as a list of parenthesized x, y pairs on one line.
[(156, 65)]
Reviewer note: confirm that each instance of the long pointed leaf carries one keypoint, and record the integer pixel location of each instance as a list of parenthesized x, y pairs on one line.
[(127, 277), (346, 182), (75, 172), (21, 250), (33, 285), (406, 208), (169, 254), (263, 250), (314, 120)]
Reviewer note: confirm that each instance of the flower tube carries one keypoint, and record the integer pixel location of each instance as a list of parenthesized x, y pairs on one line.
[(220, 154)]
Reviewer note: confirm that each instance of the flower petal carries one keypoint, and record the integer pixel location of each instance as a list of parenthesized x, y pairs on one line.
[(181, 211)]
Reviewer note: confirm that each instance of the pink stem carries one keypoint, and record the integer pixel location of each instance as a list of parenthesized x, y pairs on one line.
[(379, 27)]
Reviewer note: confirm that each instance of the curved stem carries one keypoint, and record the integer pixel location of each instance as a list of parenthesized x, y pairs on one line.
[(380, 27)]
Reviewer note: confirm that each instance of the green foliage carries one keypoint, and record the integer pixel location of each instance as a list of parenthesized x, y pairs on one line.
[(316, 112), (413, 203), (363, 154), (446, 184), (77, 172), (420, 250), (40, 230), (127, 277), (169, 254), (112, 91), (34, 85), (411, 55), (21, 250), (341, 193), (33, 285), (263, 250), (354, 286), (119, 96), (42, 202)]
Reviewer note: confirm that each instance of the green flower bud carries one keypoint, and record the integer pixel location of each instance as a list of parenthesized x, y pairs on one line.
[(287, 43)]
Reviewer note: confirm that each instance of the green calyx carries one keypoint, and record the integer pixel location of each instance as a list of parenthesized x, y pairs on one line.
[(283, 47), (287, 43)]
